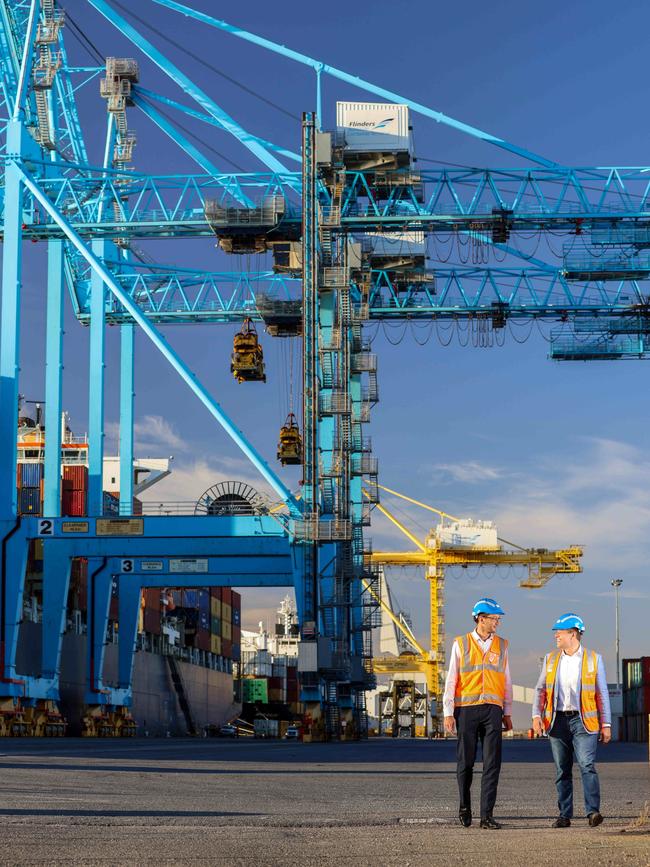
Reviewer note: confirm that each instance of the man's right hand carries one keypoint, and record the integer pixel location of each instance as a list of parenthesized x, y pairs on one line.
[(538, 726), (450, 725)]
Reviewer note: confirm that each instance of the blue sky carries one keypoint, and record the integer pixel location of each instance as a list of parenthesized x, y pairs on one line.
[(556, 454)]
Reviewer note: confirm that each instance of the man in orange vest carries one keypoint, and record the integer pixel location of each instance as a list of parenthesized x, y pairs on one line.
[(477, 703), (572, 705)]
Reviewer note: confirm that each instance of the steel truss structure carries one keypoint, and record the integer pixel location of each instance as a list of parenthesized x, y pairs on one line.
[(90, 216)]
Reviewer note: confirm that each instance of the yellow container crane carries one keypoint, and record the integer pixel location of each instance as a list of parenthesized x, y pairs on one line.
[(455, 542)]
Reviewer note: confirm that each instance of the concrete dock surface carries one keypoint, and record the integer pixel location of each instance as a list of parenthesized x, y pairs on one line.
[(232, 802)]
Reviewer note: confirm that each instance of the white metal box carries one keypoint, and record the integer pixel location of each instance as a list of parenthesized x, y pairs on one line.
[(373, 126), (468, 534), (308, 656)]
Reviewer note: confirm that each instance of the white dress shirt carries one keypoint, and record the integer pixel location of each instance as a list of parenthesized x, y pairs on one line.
[(568, 678), (452, 677), (567, 687)]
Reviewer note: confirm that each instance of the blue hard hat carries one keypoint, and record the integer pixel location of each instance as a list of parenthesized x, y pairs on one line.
[(569, 621), (487, 606)]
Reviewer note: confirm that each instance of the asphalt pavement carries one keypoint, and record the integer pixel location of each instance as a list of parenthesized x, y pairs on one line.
[(232, 802)]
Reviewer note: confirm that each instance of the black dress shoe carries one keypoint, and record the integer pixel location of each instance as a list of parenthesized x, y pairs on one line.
[(489, 823), (562, 822), (465, 817), (595, 819)]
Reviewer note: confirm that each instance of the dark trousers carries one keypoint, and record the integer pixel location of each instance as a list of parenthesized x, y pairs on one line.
[(480, 722)]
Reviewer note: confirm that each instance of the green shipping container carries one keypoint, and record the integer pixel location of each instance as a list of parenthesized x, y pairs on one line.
[(255, 689), (216, 626)]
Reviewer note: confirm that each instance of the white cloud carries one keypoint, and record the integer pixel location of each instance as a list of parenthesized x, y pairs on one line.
[(155, 430), (469, 471), (598, 498), (152, 434)]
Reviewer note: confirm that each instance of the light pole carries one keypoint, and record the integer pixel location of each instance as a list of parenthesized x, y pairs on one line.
[(616, 583)]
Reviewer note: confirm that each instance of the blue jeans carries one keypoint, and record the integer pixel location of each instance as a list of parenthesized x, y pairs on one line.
[(569, 738)]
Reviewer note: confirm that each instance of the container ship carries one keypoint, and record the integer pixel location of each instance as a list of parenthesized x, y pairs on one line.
[(188, 641)]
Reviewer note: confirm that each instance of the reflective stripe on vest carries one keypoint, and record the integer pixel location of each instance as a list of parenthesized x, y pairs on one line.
[(481, 677), (588, 673)]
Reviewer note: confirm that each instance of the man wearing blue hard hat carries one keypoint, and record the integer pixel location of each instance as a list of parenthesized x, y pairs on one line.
[(572, 705), (477, 703)]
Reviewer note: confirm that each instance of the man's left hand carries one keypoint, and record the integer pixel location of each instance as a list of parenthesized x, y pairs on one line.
[(605, 734), (507, 723)]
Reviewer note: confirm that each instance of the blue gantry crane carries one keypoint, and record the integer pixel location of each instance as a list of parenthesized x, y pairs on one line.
[(354, 233)]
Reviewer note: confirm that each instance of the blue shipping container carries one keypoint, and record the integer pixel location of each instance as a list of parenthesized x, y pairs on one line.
[(236, 617), (111, 504), (236, 652), (204, 620), (31, 475), (204, 602), (190, 598), (30, 501)]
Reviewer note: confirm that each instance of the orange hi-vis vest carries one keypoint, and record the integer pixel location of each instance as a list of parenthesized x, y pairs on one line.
[(481, 677), (588, 703)]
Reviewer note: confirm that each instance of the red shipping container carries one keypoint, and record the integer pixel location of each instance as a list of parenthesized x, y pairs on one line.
[(275, 683), (79, 583), (151, 620), (215, 592), (78, 475), (226, 648), (79, 569), (203, 639), (236, 600), (66, 485), (292, 673), (226, 595), (82, 597), (152, 598), (73, 503), (236, 635)]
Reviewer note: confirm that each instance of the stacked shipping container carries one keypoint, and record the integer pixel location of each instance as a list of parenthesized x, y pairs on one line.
[(74, 490), (279, 673), (636, 698), (29, 480), (208, 616)]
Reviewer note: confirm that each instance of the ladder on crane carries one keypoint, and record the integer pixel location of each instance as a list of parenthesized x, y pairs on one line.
[(183, 701)]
